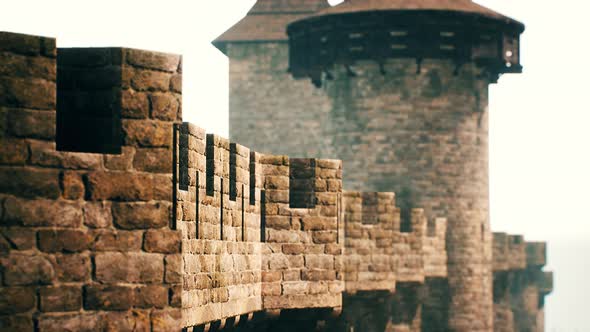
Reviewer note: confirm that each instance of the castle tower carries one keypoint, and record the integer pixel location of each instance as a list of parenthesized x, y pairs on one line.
[(261, 92), (408, 89)]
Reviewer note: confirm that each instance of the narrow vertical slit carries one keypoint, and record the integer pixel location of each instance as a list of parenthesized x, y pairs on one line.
[(221, 212), (172, 222), (197, 205), (252, 178), (210, 165), (338, 205), (243, 212), (262, 216), (233, 186)]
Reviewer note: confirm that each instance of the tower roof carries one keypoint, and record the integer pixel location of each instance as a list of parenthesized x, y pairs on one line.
[(465, 6), (268, 20)]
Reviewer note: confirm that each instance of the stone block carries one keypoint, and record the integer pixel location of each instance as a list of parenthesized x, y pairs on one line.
[(30, 93), (315, 223), (166, 320), (60, 298), (318, 275), (153, 160), (19, 238), (17, 299), (145, 133), (152, 60), (134, 105), (324, 237), (121, 162), (141, 215), (173, 265), (145, 80), (162, 241), (71, 322), (126, 321), (122, 186), (30, 183), (176, 83), (129, 267), (20, 43), (98, 214), (71, 267), (73, 187), (152, 296), (27, 270), (63, 240), (108, 297), (117, 240), (13, 151), (45, 154), (19, 323), (165, 106)]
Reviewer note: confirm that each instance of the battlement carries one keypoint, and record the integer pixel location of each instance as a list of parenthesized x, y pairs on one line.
[(115, 214)]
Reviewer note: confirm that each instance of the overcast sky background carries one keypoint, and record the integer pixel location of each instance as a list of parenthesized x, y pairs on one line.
[(539, 120)]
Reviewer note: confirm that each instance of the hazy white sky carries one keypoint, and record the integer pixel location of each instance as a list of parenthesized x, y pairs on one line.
[(539, 156)]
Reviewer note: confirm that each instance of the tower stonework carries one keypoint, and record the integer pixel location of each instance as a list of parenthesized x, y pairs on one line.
[(261, 93), (425, 137), (409, 85), (402, 95), (117, 216)]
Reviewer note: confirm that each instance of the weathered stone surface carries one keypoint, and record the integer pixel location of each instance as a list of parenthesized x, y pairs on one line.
[(176, 83), (108, 297), (145, 80), (25, 66), (173, 265), (70, 323), (130, 268), (42, 212), (30, 182), (124, 241), (27, 270), (122, 162), (162, 241), (63, 240), (16, 299), (17, 323), (13, 152), (126, 321), (153, 160), (119, 186), (73, 187), (71, 267), (20, 43), (152, 60), (146, 133), (141, 215), (97, 214), (154, 296), (134, 105), (165, 320), (19, 238), (60, 298), (44, 153), (165, 106), (30, 93)]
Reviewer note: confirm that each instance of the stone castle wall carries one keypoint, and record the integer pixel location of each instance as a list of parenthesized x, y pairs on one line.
[(116, 216)]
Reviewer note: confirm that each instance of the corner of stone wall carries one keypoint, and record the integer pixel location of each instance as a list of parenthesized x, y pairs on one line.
[(87, 238)]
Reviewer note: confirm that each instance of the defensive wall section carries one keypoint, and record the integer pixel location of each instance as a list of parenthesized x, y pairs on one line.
[(117, 216)]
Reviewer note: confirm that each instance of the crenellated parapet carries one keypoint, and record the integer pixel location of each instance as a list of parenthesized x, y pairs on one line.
[(378, 253), (116, 215), (520, 284)]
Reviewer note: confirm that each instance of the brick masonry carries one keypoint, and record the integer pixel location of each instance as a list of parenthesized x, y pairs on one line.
[(423, 136), (158, 226)]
